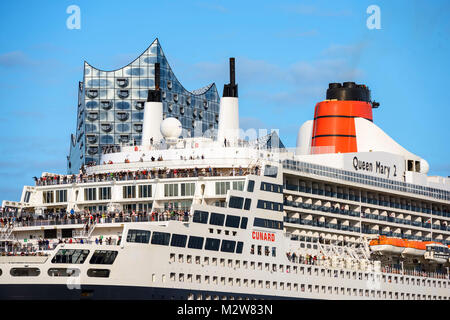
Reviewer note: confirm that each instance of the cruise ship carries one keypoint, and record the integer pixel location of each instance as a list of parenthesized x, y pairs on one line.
[(348, 214)]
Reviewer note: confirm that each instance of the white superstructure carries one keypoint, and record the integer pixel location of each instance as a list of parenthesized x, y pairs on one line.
[(195, 218)]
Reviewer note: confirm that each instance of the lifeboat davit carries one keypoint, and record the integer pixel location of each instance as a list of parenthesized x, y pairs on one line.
[(385, 245)]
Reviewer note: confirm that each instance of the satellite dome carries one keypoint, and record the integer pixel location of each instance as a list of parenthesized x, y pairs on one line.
[(171, 128)]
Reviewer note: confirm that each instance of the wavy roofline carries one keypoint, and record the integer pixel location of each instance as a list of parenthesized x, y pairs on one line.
[(209, 86)]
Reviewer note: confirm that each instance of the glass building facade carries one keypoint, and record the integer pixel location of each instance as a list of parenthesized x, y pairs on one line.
[(111, 106)]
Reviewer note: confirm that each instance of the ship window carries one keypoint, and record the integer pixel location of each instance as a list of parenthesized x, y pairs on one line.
[(217, 219), (232, 221), (247, 203), (73, 256), (25, 272), (161, 238), (103, 257), (63, 272), (98, 273), (270, 171), (200, 216), (178, 240), (212, 244), (239, 247), (236, 202), (228, 246), (250, 186), (195, 242), (138, 236), (244, 223)]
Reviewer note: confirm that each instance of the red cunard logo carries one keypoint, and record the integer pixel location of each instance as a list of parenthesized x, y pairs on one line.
[(266, 236)]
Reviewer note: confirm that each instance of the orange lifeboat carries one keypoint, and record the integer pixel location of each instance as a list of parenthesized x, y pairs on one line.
[(385, 245), (414, 248)]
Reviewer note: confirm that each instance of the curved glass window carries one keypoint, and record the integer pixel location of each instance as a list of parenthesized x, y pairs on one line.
[(63, 272), (150, 60), (92, 116), (122, 116), (169, 84), (107, 139), (145, 83), (92, 93), (25, 272), (123, 127), (123, 94), (139, 105), (175, 97), (122, 82), (122, 105), (182, 110), (92, 138), (124, 139), (139, 116), (170, 107), (138, 127), (92, 150), (200, 114), (194, 114), (216, 117), (91, 128), (205, 104), (91, 104), (188, 100), (106, 127), (98, 83), (106, 104), (135, 71)]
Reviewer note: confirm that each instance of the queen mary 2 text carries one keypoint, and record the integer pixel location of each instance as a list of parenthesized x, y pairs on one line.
[(265, 236)]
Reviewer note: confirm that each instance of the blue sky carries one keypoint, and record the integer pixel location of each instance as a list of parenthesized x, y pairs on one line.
[(286, 54)]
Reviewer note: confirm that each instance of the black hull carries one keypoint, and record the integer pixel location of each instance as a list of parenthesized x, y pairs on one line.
[(103, 292)]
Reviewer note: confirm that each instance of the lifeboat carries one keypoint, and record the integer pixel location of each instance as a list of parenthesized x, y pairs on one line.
[(385, 245), (414, 248)]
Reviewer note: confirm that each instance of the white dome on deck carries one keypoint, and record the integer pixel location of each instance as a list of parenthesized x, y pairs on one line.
[(171, 128)]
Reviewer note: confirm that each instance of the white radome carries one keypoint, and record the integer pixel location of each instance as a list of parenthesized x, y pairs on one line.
[(171, 128)]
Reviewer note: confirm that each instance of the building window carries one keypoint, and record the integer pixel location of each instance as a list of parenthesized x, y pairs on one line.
[(145, 191), (187, 189), (47, 197), (104, 193), (129, 192), (222, 187), (61, 195), (90, 194), (171, 190)]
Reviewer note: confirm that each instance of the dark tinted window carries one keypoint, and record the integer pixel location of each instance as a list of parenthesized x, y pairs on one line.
[(217, 219), (250, 186), (195, 242), (267, 223), (63, 272), (103, 257), (161, 238), (98, 273), (239, 247), (200, 216), (178, 240), (70, 256), (25, 272), (139, 236), (244, 223), (212, 244), (247, 204), (228, 246), (236, 202), (232, 221)]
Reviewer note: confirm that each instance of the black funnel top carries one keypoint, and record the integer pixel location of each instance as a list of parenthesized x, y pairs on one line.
[(231, 89), (155, 95), (350, 91)]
